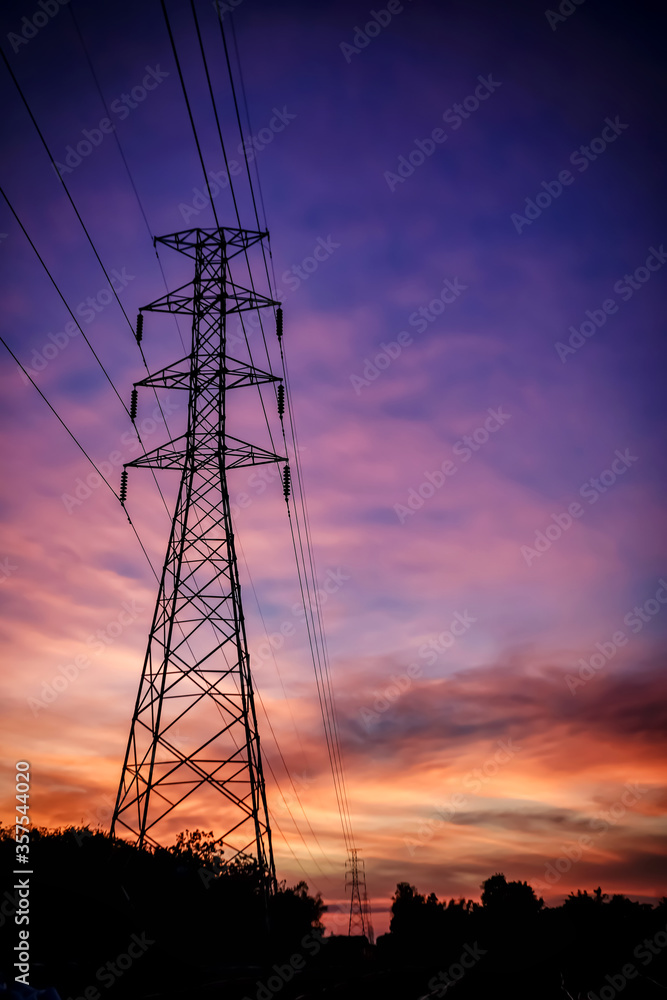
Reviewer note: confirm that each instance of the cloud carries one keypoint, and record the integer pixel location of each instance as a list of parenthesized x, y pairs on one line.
[(517, 697)]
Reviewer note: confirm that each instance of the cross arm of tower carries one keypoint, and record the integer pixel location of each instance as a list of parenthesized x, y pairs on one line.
[(192, 241), (181, 375), (236, 456), (246, 298), (243, 453), (207, 296)]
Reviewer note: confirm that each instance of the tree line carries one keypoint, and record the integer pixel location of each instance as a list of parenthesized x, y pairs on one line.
[(111, 920)]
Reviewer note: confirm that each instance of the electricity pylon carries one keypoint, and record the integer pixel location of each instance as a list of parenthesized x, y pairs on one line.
[(193, 738), (360, 910)]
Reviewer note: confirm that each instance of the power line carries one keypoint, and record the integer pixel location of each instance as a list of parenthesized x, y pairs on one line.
[(65, 188), (61, 421), (240, 128), (316, 639), (126, 164), (76, 212), (318, 646), (247, 114), (62, 297), (122, 156), (325, 690), (231, 185), (95, 355), (273, 775), (187, 104), (80, 447)]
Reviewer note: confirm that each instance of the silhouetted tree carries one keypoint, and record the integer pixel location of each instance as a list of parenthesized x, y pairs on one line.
[(509, 899), (405, 909), (199, 916), (596, 898), (205, 921), (200, 847)]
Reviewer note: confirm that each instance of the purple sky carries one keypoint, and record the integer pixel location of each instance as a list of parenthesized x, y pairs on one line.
[(475, 353)]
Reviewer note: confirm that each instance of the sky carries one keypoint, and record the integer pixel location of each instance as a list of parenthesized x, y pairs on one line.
[(468, 240)]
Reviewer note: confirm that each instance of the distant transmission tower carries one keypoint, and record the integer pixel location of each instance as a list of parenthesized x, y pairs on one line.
[(193, 739), (360, 909)]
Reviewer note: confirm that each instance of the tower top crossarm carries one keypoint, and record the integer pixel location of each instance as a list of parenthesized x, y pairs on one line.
[(193, 241), (208, 247)]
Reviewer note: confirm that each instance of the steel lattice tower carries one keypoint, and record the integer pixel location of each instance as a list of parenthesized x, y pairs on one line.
[(196, 674), (355, 879)]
